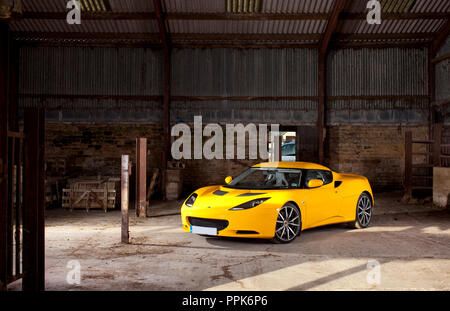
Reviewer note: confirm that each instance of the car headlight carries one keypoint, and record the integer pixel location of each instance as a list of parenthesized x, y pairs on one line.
[(190, 201), (249, 204)]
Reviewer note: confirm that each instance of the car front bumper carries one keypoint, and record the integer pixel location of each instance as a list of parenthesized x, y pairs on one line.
[(257, 222)]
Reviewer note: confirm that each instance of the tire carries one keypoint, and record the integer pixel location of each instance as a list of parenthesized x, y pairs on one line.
[(363, 212), (288, 224)]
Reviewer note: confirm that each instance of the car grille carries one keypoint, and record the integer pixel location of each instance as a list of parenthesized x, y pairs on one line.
[(210, 223)]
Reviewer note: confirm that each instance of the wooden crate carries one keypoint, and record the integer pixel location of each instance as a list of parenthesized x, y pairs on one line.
[(90, 194)]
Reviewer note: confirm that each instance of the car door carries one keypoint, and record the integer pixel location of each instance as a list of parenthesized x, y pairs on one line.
[(322, 203)]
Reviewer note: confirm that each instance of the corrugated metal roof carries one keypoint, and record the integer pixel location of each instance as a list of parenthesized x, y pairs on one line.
[(267, 6), (86, 26), (392, 26), (419, 6), (293, 6), (60, 5), (195, 6), (240, 26), (247, 27)]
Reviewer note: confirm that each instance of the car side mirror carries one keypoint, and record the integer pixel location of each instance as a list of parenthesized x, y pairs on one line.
[(315, 183), (228, 179)]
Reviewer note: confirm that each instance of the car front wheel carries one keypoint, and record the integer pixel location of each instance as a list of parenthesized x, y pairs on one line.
[(289, 224), (363, 212)]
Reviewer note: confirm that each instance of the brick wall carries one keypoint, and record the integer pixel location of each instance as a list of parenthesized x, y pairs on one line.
[(90, 150), (376, 152)]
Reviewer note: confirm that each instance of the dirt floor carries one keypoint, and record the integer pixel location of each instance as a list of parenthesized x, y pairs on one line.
[(411, 243)]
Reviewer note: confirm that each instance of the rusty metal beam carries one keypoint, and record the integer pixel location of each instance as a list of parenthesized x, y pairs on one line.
[(431, 89), (331, 26), (212, 37), (3, 154), (125, 190), (166, 44), (233, 16), (141, 177), (440, 38), (408, 165), (323, 49)]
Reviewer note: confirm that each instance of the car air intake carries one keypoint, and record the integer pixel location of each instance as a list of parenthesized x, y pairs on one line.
[(249, 194), (246, 232), (220, 192), (219, 224)]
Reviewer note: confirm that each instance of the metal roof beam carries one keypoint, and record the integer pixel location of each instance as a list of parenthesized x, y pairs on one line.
[(228, 16), (228, 37)]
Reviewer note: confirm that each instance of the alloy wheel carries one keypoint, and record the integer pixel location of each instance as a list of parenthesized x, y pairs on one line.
[(364, 212), (288, 223)]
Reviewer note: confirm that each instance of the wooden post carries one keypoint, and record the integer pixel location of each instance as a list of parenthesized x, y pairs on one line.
[(3, 154), (141, 177), (34, 202), (408, 165), (126, 165)]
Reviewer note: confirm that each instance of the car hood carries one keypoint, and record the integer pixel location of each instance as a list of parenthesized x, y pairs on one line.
[(220, 196)]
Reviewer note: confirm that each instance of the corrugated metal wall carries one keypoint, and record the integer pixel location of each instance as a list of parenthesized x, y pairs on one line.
[(90, 72), (245, 73), (443, 80), (230, 73), (93, 71), (378, 72), (251, 72)]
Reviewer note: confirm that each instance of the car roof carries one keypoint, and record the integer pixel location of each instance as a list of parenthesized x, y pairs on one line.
[(303, 165)]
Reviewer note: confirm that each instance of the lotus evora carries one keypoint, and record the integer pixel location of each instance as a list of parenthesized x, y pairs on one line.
[(277, 201)]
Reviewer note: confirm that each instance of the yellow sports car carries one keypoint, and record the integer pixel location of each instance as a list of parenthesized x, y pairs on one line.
[(277, 201)]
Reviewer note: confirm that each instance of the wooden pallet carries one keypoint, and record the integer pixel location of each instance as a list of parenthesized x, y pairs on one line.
[(90, 194)]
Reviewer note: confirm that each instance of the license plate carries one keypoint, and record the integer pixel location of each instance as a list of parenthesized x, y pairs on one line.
[(203, 230)]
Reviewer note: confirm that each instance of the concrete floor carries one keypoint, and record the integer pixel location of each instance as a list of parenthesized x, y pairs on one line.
[(411, 243)]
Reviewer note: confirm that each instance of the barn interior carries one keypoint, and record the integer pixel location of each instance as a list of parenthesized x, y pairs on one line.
[(360, 98)]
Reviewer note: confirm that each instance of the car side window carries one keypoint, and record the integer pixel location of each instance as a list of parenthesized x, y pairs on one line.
[(325, 176)]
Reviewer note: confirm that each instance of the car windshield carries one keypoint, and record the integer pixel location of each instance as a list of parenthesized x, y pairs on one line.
[(267, 178)]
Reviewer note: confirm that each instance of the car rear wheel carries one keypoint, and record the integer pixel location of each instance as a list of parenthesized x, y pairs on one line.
[(363, 212), (289, 224)]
